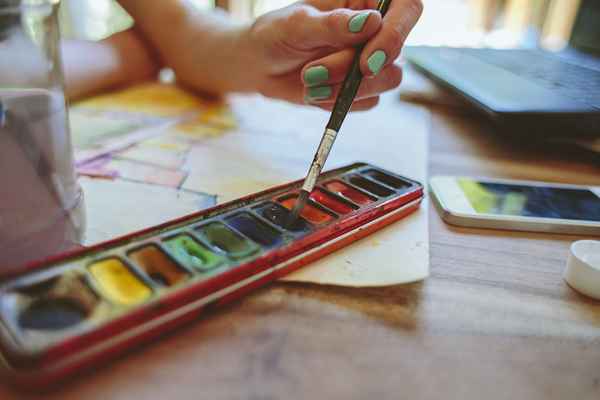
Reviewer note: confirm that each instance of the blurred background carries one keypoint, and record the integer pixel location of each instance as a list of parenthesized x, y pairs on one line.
[(476, 23)]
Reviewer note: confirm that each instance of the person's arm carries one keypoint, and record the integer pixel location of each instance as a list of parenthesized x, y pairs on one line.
[(93, 67), (300, 53), (203, 47)]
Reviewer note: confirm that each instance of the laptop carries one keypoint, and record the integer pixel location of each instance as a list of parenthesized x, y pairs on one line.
[(532, 92)]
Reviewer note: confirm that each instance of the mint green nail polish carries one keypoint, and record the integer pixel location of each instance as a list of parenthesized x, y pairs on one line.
[(316, 75), (376, 61), (357, 22), (319, 93)]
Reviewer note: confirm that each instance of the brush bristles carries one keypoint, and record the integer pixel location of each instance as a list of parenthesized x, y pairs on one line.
[(300, 203)]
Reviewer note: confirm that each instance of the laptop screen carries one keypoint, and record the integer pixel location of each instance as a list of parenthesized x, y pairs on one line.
[(586, 33)]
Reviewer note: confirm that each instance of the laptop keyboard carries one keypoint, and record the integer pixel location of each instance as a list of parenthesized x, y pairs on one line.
[(547, 70)]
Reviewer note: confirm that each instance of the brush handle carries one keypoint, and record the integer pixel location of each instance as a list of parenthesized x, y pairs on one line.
[(347, 93), (341, 107), (351, 83)]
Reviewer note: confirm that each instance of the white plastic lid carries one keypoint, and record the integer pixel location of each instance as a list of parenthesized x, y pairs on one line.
[(583, 268)]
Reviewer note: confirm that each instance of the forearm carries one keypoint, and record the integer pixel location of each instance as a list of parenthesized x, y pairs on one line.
[(92, 67), (207, 46)]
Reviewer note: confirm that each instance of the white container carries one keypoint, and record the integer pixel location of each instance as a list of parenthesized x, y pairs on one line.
[(583, 268)]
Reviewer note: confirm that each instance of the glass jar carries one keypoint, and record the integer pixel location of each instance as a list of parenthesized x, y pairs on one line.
[(41, 203)]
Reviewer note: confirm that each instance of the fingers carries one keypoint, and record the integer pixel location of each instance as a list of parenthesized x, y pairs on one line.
[(386, 45), (307, 28), (286, 87), (389, 78), (322, 78), (330, 69), (290, 89)]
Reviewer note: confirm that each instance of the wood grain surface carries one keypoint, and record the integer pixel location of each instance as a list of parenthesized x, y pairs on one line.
[(495, 320)]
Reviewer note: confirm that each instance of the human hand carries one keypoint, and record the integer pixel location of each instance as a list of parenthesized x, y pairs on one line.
[(302, 53)]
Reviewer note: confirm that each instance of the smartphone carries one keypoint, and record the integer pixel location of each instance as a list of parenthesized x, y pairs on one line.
[(517, 205)]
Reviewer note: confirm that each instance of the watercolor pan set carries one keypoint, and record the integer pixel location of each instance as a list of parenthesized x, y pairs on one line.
[(80, 308)]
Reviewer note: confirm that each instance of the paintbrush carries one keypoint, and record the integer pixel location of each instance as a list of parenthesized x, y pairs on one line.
[(342, 105)]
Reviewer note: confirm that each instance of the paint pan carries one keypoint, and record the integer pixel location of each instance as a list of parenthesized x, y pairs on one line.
[(370, 186), (255, 229), (386, 179), (52, 314), (54, 304), (65, 314), (158, 266), (227, 241), (311, 212), (118, 283), (280, 216), (43, 311), (350, 193), (334, 203), (190, 253)]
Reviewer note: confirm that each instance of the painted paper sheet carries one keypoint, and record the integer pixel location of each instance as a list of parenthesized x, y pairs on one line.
[(223, 153), (117, 208)]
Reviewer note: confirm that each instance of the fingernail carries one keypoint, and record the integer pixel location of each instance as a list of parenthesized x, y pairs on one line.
[(357, 22), (316, 75), (376, 61), (319, 93)]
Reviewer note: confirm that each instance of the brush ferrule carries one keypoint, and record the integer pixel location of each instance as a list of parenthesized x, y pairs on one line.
[(320, 158)]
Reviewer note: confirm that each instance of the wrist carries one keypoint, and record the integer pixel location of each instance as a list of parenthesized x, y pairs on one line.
[(246, 72), (215, 55)]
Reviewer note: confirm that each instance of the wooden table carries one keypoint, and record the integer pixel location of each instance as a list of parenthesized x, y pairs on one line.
[(494, 321)]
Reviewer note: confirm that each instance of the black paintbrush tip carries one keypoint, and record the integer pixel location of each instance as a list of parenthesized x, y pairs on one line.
[(300, 203)]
